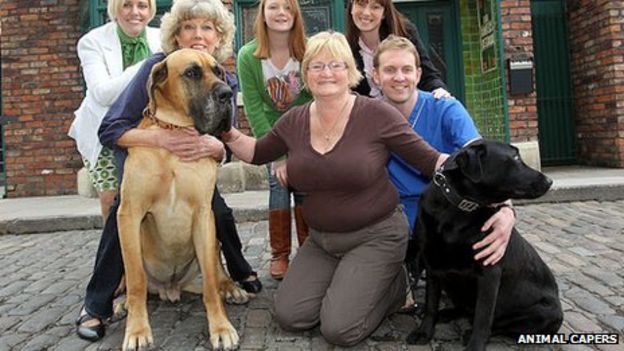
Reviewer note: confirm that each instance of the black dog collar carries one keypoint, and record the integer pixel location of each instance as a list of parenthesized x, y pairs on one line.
[(464, 204)]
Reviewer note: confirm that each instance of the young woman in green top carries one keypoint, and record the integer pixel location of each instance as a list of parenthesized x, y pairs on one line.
[(270, 79)]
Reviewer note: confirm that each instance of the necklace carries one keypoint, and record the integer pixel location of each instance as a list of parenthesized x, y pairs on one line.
[(329, 132)]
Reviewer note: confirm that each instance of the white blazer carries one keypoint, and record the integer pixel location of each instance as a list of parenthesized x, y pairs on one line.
[(101, 60)]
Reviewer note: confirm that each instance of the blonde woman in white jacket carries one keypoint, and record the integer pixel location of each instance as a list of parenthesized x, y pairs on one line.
[(110, 56)]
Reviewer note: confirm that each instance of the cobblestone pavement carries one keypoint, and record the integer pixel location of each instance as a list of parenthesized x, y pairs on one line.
[(43, 277)]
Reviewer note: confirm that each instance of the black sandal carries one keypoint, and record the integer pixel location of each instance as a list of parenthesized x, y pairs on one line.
[(93, 333), (251, 286)]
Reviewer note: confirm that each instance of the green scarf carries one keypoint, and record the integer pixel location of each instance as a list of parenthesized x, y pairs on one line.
[(133, 50)]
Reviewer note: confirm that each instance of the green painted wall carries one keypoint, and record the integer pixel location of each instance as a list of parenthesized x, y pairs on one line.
[(483, 91)]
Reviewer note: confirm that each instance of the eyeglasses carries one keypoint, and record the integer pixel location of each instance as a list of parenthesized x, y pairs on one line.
[(334, 66)]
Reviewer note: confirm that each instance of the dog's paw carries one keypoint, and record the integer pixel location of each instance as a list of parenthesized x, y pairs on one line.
[(137, 338), (224, 337), (233, 294), (120, 311), (418, 338)]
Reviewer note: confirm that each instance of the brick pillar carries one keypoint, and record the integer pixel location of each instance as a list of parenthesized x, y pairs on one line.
[(41, 87), (518, 44), (597, 53)]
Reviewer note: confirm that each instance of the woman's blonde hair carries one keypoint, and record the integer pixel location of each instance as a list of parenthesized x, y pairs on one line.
[(296, 39), (337, 46), (212, 10), (115, 6)]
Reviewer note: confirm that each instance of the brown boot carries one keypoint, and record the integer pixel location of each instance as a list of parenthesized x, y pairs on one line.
[(279, 238), (301, 225)]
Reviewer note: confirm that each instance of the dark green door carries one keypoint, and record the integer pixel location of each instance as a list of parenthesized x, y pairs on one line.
[(437, 23), (554, 90)]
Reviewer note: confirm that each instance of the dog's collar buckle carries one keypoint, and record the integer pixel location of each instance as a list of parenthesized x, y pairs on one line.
[(467, 205), (439, 179)]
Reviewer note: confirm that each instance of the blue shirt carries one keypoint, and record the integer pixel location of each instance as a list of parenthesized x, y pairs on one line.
[(446, 126)]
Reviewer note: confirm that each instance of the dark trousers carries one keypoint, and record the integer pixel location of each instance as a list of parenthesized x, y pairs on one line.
[(109, 268)]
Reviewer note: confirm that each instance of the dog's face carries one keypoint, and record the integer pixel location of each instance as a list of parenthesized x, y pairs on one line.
[(193, 84), (492, 172)]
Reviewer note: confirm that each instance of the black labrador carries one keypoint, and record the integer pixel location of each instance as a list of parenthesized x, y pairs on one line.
[(517, 295)]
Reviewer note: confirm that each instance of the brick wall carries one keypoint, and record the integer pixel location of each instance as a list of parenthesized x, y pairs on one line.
[(41, 87), (597, 53), (518, 44)]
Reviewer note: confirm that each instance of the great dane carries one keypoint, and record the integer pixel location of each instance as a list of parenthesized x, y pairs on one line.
[(166, 225)]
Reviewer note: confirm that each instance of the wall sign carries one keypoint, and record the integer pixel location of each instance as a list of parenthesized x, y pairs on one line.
[(485, 11)]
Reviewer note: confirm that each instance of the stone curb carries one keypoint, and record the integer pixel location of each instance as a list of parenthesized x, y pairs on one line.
[(579, 193), (259, 212), (89, 222)]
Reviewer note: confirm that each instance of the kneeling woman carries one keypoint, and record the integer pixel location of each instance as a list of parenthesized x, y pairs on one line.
[(347, 276)]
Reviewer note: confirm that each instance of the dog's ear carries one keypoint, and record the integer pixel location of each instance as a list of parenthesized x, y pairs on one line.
[(159, 75), (469, 161), (219, 71)]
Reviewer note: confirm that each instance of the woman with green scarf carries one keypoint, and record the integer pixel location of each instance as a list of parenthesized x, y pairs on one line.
[(110, 56)]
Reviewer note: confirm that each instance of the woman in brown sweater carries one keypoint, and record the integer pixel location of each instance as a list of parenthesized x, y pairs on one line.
[(347, 275)]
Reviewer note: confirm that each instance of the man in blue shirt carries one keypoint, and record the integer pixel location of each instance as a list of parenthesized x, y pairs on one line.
[(443, 123)]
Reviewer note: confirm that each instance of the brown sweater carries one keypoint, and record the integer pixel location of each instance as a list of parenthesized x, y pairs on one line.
[(348, 188)]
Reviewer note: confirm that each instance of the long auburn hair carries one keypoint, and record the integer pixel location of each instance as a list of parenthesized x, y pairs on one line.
[(296, 39), (393, 22)]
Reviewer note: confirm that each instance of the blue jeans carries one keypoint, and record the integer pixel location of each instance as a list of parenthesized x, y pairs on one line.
[(279, 196)]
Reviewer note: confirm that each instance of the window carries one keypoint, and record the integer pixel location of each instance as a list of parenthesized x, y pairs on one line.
[(96, 15), (318, 15)]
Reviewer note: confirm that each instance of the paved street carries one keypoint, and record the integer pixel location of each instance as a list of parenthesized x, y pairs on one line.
[(43, 277)]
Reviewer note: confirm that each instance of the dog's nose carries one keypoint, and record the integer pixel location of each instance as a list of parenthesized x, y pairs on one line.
[(223, 93)]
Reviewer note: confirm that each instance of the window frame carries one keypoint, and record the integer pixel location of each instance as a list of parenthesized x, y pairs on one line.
[(337, 8), (97, 14)]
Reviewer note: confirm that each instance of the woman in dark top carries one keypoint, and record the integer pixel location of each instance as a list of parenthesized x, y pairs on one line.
[(371, 21), (347, 276)]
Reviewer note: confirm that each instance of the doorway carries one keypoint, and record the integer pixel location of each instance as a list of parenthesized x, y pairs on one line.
[(555, 104), (437, 23)]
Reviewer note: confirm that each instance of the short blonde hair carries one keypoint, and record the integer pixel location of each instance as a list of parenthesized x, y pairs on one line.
[(212, 10), (114, 8), (337, 46), (393, 42)]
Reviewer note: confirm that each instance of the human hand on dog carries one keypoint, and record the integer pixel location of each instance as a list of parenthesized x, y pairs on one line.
[(190, 146), (494, 245), (278, 169)]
